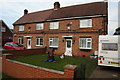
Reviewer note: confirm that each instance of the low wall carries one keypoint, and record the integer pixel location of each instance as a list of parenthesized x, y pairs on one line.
[(25, 51), (22, 70)]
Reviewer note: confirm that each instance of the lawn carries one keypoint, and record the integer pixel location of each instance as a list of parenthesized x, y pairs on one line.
[(37, 60)]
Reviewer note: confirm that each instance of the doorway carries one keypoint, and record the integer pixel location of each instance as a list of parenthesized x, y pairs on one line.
[(29, 44), (68, 47)]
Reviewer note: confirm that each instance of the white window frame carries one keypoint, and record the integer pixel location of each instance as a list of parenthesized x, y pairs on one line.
[(54, 25), (51, 39), (3, 29), (40, 26), (20, 40), (88, 25), (39, 42), (21, 28), (86, 42)]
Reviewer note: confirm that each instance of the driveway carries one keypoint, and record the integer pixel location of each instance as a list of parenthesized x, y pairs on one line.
[(106, 72)]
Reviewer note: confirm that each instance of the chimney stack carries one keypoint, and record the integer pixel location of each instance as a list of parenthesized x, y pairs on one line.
[(25, 11), (56, 5)]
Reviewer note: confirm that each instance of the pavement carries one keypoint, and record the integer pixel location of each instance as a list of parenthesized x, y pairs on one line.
[(106, 72)]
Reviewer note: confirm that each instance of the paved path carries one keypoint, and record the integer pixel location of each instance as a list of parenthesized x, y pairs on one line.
[(106, 72)]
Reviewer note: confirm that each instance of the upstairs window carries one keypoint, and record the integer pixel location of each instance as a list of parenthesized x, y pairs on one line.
[(3, 29), (54, 25), (21, 28), (40, 26), (85, 43), (39, 41), (20, 40), (53, 42), (86, 23)]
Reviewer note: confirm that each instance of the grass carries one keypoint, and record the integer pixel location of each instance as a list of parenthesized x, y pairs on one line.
[(37, 60)]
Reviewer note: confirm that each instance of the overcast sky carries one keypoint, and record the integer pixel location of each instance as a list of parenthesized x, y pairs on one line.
[(11, 10)]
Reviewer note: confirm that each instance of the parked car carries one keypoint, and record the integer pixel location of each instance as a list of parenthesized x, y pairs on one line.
[(13, 46)]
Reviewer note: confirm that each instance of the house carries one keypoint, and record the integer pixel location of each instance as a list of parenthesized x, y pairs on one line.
[(72, 30), (6, 35)]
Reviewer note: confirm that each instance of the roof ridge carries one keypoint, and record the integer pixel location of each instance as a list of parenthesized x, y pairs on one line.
[(83, 4), (68, 6), (40, 11), (78, 10)]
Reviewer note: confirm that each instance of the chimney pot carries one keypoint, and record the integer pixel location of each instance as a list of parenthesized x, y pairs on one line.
[(56, 5), (25, 11)]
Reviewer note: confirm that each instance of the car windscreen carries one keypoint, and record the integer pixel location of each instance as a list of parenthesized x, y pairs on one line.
[(9, 44), (17, 45)]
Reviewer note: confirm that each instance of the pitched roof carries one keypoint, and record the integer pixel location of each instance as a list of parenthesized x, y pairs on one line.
[(34, 17), (90, 9)]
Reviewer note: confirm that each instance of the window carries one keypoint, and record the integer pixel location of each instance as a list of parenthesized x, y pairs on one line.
[(86, 23), (3, 29), (39, 26), (68, 44), (54, 25), (39, 41), (53, 42), (21, 28), (85, 43), (110, 46), (20, 40)]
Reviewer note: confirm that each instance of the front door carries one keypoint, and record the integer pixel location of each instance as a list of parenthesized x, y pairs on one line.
[(68, 47), (29, 44)]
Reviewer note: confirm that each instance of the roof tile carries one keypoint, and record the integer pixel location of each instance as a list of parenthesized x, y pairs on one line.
[(96, 8)]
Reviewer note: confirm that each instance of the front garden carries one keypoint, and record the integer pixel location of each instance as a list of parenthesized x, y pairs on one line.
[(38, 60)]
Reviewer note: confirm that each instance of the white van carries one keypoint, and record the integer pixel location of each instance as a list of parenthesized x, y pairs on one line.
[(109, 50)]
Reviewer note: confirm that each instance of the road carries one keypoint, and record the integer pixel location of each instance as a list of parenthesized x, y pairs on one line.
[(106, 72)]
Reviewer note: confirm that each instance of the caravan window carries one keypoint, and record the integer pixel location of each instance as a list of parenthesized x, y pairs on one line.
[(110, 46)]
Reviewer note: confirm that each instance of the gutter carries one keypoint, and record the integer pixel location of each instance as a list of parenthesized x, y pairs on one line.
[(82, 17), (77, 17)]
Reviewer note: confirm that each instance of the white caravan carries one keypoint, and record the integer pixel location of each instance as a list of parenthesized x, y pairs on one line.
[(109, 50)]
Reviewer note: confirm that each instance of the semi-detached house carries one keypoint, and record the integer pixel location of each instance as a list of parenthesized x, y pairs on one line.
[(73, 30)]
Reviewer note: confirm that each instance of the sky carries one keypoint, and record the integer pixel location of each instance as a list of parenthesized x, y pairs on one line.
[(11, 10)]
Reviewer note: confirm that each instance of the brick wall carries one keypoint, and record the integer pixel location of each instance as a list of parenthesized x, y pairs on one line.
[(25, 51), (22, 70), (75, 31), (97, 23), (7, 36), (76, 51)]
